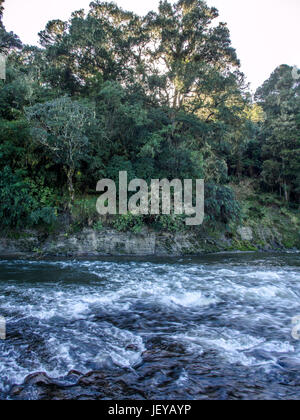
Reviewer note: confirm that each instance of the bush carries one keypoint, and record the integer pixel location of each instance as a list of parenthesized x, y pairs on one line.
[(18, 208), (16, 202), (98, 226), (84, 211), (128, 222), (44, 215), (169, 223), (221, 204)]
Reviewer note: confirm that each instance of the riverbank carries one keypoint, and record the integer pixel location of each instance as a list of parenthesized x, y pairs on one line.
[(266, 224), (110, 242)]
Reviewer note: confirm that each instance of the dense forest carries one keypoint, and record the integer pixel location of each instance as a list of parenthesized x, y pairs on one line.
[(160, 96)]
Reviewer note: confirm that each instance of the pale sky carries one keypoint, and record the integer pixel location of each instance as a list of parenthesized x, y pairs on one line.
[(265, 33)]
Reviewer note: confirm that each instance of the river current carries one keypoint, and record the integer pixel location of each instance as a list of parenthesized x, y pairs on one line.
[(211, 327)]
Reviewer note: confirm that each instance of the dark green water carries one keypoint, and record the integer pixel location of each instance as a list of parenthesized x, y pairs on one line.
[(216, 327)]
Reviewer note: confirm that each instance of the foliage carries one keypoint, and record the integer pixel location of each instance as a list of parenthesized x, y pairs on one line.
[(8, 40), (98, 226), (18, 207), (16, 202), (60, 127), (221, 204), (169, 223), (128, 222), (279, 97), (84, 211), (159, 96)]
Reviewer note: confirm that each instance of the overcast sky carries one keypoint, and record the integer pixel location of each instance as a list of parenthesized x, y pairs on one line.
[(266, 33)]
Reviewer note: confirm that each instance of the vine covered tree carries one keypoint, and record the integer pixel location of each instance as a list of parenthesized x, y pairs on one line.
[(60, 127)]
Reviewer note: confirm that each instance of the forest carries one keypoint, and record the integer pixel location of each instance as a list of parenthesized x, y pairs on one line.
[(159, 96)]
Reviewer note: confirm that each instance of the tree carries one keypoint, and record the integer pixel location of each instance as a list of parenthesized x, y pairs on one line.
[(60, 127), (280, 99), (186, 53), (191, 68), (89, 49), (8, 40), (169, 99)]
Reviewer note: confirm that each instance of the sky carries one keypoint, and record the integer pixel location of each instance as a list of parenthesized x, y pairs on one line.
[(265, 33)]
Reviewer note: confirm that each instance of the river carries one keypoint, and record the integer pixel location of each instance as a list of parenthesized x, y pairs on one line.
[(211, 327)]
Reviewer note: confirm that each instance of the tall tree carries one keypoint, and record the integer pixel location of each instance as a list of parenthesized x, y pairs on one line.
[(191, 68), (186, 52), (280, 98), (60, 127), (89, 49)]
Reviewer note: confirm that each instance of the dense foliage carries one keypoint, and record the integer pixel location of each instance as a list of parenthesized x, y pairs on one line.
[(160, 96)]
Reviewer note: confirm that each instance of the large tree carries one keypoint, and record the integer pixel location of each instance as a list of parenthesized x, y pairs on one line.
[(89, 49), (191, 68), (60, 127), (187, 54), (280, 98)]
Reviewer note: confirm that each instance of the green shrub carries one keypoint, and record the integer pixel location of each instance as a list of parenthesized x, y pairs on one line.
[(221, 204), (84, 211), (169, 223), (44, 195), (18, 207), (98, 226), (45, 215), (128, 222), (16, 202)]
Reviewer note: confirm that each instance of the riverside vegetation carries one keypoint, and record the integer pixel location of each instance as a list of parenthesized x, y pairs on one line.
[(158, 96)]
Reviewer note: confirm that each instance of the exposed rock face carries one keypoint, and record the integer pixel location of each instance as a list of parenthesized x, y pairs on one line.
[(106, 242), (109, 242), (18, 246)]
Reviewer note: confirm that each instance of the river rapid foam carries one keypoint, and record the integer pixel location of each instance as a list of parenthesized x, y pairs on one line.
[(216, 327)]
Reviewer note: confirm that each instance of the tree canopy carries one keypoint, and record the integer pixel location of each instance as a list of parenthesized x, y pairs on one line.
[(160, 95)]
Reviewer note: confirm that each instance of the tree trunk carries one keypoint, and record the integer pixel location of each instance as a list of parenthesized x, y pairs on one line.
[(70, 175), (239, 168), (286, 192)]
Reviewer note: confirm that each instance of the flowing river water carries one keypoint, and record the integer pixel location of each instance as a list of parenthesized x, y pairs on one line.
[(211, 327)]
